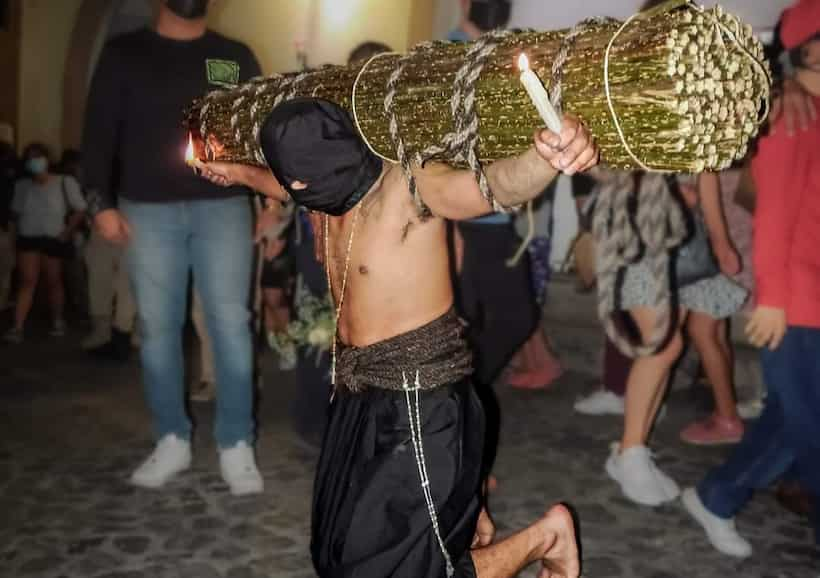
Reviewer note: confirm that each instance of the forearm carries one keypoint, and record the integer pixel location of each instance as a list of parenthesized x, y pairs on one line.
[(262, 181), (712, 207), (517, 180)]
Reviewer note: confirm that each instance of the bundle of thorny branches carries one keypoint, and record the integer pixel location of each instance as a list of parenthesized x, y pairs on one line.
[(688, 87)]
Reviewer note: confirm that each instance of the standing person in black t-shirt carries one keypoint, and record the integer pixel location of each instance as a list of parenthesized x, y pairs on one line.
[(172, 222)]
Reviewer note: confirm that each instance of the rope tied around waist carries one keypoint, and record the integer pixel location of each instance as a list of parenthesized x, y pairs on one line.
[(437, 351)]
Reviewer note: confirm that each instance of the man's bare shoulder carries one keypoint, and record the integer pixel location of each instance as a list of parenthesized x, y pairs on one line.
[(397, 199)]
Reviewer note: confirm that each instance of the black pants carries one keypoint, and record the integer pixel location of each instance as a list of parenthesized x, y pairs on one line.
[(370, 517), (498, 303), (496, 300)]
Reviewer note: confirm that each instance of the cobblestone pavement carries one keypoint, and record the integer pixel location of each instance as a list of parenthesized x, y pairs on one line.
[(71, 431)]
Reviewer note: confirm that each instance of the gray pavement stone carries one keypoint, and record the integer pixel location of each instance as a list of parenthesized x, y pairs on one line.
[(72, 431)]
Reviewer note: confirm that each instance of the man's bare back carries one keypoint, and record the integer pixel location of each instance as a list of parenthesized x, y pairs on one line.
[(398, 273)]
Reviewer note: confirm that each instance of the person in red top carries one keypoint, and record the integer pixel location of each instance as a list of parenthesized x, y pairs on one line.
[(786, 320)]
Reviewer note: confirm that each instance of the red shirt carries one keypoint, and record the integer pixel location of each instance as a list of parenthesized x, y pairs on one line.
[(787, 223)]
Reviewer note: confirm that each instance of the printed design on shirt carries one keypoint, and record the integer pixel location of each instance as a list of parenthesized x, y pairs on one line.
[(223, 73)]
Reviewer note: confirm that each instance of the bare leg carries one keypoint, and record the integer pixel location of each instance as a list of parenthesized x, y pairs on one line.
[(550, 540), (28, 264), (277, 315), (53, 269), (647, 382), (705, 333), (537, 367)]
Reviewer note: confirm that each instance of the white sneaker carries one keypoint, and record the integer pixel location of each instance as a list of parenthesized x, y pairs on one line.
[(638, 476), (750, 409), (670, 486), (720, 531), (602, 402), (239, 470), (171, 456)]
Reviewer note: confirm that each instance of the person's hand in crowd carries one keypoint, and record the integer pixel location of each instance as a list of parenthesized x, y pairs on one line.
[(767, 327), (728, 259), (795, 105), (573, 151), (690, 195), (274, 248), (267, 218), (113, 226)]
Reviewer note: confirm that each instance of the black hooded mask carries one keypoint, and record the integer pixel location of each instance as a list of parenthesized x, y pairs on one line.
[(188, 9), (315, 142)]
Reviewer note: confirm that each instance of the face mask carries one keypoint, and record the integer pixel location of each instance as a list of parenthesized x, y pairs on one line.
[(188, 9), (489, 14), (313, 141), (37, 165)]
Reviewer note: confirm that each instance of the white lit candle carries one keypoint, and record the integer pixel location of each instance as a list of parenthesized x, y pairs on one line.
[(190, 155), (538, 95)]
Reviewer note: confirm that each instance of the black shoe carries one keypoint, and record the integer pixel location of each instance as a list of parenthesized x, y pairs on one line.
[(117, 349)]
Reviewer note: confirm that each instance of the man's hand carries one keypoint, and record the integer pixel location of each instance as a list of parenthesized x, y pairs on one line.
[(728, 259), (690, 195), (572, 151), (225, 174), (796, 105), (112, 226), (484, 530), (219, 173), (267, 218), (767, 327), (274, 248)]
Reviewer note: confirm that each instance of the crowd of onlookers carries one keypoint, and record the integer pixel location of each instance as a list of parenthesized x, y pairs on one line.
[(58, 236)]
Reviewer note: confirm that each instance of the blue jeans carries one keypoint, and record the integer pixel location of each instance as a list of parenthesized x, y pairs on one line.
[(786, 436), (213, 238)]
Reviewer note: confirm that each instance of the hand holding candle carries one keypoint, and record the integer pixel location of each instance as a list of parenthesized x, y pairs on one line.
[(538, 95)]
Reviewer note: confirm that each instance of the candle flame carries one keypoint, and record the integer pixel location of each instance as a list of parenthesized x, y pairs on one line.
[(189, 152), (523, 62)]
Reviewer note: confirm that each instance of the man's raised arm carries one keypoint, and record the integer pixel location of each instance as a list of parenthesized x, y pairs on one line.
[(455, 194)]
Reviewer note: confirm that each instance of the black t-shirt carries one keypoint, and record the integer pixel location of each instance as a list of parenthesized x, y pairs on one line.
[(133, 125)]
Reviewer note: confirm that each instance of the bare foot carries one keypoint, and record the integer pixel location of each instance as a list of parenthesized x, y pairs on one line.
[(559, 548), (484, 531)]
